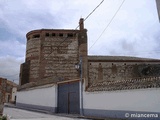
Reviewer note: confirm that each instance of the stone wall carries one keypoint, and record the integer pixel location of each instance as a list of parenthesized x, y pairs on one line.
[(59, 55), (3, 84), (52, 54), (120, 70)]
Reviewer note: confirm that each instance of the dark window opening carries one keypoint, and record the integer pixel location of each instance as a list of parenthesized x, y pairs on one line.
[(36, 36), (70, 35), (47, 34), (60, 34), (28, 38), (53, 34)]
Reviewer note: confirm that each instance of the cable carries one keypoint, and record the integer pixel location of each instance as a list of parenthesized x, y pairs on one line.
[(92, 12), (107, 25), (73, 32), (10, 75), (79, 25)]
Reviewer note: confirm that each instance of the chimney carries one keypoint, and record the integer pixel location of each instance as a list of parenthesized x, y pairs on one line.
[(81, 24)]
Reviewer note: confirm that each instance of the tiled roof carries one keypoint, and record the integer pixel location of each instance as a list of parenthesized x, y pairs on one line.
[(139, 83), (12, 83)]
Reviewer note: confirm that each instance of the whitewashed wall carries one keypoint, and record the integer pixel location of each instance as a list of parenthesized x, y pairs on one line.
[(14, 93), (117, 103), (39, 98)]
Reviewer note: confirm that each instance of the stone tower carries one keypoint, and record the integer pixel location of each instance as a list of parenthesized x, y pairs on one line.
[(51, 54)]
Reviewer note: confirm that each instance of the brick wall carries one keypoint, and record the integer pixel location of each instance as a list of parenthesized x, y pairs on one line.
[(3, 84), (52, 54), (114, 70)]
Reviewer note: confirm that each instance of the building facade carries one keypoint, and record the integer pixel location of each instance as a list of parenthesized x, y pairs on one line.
[(3, 85), (53, 54), (8, 92), (59, 76)]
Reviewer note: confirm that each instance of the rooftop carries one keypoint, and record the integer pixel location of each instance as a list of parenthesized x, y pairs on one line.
[(121, 58), (136, 83)]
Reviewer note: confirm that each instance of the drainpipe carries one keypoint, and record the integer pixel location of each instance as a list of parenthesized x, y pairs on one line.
[(81, 112)]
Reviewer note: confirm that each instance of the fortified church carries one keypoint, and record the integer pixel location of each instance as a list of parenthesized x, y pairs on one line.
[(58, 76)]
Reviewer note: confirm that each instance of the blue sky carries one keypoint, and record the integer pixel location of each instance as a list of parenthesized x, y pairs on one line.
[(135, 30)]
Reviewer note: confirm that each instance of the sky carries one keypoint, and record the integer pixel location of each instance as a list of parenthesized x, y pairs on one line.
[(134, 31)]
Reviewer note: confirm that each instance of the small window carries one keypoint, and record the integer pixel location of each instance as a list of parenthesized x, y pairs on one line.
[(36, 36), (60, 34), (53, 34), (47, 34), (70, 35), (28, 38)]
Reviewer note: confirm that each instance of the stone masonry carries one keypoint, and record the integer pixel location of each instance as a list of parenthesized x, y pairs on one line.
[(51, 54), (119, 73), (3, 84)]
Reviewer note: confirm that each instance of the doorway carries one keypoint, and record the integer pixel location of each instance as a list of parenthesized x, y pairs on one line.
[(68, 98)]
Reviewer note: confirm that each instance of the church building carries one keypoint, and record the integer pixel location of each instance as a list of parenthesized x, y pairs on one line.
[(58, 76)]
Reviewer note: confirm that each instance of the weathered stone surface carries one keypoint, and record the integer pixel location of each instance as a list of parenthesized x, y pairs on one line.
[(115, 72), (6, 87), (53, 54)]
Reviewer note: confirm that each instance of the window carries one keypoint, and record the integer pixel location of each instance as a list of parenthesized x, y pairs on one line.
[(47, 34), (28, 38), (36, 36), (70, 35), (60, 34), (53, 34)]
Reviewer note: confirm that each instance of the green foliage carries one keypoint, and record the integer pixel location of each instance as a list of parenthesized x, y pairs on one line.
[(3, 118)]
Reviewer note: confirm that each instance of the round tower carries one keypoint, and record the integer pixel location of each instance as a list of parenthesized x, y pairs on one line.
[(51, 54)]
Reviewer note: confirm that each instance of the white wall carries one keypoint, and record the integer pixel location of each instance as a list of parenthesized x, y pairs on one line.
[(46, 96), (14, 92), (146, 100)]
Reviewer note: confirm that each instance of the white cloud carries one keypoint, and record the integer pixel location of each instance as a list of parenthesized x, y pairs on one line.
[(10, 67), (12, 47), (134, 30)]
